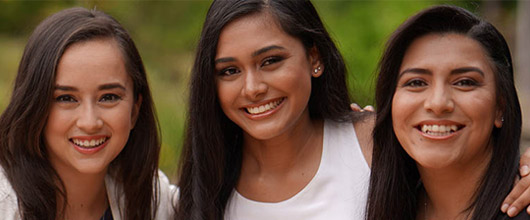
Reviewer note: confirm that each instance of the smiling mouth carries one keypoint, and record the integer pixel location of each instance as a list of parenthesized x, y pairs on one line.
[(439, 130), (93, 143), (264, 108)]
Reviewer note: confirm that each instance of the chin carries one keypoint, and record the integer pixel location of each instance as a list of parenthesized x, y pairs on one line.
[(91, 169), (435, 162)]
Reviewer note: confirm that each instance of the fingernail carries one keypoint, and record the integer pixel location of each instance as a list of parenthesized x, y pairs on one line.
[(505, 207), (524, 170), (511, 212)]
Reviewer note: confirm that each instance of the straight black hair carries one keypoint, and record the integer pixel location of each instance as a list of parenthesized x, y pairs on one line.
[(212, 154), (394, 178)]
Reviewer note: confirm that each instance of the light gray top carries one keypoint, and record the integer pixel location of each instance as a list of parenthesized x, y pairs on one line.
[(167, 195)]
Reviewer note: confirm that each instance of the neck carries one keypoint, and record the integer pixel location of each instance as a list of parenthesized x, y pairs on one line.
[(450, 191), (276, 169), (86, 195), (280, 154)]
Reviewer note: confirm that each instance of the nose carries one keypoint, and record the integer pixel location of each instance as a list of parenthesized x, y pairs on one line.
[(254, 86), (89, 119), (439, 100)]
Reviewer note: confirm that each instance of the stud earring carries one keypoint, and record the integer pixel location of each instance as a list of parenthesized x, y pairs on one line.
[(502, 118), (317, 69)]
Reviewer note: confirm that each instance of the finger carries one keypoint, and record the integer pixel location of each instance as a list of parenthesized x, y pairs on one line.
[(517, 191), (524, 170), (355, 107), (524, 163), (522, 200), (369, 108)]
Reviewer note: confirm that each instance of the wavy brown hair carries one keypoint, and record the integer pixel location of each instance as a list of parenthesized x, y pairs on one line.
[(23, 154)]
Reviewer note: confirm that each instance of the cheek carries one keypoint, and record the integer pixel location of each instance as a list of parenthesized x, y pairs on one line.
[(400, 108), (297, 80), (403, 109), (227, 93), (57, 124), (119, 119)]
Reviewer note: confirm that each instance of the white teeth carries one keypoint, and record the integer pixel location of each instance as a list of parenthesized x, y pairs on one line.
[(439, 130), (435, 128), (89, 144), (263, 108)]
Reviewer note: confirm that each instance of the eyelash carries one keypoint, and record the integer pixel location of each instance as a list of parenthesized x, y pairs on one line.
[(65, 98), (110, 98), (415, 83), (272, 60), (466, 83), (268, 61), (229, 71), (104, 98)]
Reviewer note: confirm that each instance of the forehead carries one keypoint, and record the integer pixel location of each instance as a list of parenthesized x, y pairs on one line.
[(446, 50), (99, 59), (251, 32)]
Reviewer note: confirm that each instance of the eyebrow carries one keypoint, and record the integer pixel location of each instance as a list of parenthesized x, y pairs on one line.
[(467, 69), (415, 70), (101, 87), (65, 88), (255, 53), (111, 86), (453, 72), (265, 49)]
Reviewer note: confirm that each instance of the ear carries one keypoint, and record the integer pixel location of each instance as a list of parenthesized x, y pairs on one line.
[(499, 118), (136, 110), (317, 66)]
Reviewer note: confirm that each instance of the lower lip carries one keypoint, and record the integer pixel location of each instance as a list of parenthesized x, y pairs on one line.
[(90, 150), (264, 114), (433, 137)]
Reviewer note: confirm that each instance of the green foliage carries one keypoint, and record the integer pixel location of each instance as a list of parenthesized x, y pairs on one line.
[(166, 33)]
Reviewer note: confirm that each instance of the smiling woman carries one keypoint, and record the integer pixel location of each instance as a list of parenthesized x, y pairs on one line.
[(263, 79), (446, 143), (94, 115), (79, 138), (444, 108), (270, 132)]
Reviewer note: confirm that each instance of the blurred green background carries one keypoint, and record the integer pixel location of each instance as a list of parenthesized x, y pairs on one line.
[(166, 33)]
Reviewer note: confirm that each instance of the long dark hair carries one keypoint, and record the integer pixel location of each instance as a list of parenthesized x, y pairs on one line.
[(22, 152), (212, 154), (394, 179)]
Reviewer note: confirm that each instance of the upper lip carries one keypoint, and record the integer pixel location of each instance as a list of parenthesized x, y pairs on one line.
[(439, 122), (261, 103), (91, 137)]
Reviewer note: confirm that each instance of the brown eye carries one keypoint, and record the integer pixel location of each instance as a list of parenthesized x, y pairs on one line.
[(466, 83), (65, 98), (271, 60), (415, 83), (110, 98), (229, 71)]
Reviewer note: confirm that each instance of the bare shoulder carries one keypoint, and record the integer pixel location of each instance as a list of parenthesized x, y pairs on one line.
[(364, 127)]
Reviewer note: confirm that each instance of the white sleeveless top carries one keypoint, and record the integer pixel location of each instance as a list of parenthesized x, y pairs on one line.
[(337, 191)]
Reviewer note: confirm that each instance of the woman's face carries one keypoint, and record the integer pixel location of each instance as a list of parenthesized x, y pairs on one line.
[(263, 76), (93, 108), (444, 107)]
